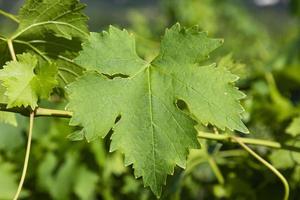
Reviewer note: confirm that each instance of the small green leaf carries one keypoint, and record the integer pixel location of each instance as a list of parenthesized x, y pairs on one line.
[(27, 80), (152, 132)]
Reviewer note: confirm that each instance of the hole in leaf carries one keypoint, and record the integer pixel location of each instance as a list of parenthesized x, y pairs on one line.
[(182, 105), (116, 76), (35, 70), (117, 119)]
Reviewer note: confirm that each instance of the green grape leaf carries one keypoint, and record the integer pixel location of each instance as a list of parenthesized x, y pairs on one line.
[(27, 80), (153, 132), (294, 128)]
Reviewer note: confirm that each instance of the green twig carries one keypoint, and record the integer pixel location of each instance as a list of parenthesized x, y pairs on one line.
[(10, 16), (268, 165), (25, 166)]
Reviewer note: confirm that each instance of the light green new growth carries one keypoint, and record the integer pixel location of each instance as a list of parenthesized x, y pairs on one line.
[(27, 80), (152, 132)]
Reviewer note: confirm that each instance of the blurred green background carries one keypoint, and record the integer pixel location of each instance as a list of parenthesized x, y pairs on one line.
[(262, 46)]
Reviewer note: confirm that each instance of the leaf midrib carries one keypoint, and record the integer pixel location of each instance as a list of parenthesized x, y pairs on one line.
[(152, 123)]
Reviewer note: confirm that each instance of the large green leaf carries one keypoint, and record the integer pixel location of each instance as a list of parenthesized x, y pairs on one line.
[(27, 80), (153, 132)]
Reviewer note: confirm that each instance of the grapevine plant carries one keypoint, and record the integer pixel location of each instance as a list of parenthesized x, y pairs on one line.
[(153, 110)]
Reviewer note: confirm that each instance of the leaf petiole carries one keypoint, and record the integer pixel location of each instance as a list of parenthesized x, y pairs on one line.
[(25, 166), (11, 49)]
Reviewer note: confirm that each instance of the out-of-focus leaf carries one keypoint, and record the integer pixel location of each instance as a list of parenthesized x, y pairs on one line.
[(64, 179), (10, 137), (86, 184), (281, 159), (294, 127), (8, 181), (236, 68), (131, 185), (114, 166), (45, 171), (8, 118)]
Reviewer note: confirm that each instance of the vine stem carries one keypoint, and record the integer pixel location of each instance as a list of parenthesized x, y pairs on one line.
[(268, 165), (10, 16), (25, 166), (11, 49)]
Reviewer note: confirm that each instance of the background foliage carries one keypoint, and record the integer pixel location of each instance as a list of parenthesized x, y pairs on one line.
[(266, 44)]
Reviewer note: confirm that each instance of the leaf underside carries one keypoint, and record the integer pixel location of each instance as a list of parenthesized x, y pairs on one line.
[(153, 133)]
